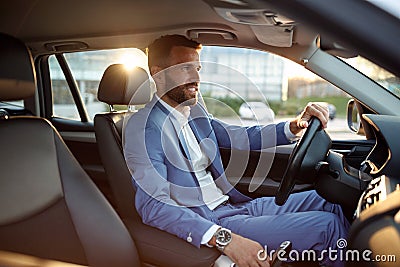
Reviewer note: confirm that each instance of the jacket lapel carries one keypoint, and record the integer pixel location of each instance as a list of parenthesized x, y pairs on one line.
[(202, 129), (177, 129)]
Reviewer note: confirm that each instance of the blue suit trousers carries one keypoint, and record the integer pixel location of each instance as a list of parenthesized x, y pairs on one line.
[(307, 220)]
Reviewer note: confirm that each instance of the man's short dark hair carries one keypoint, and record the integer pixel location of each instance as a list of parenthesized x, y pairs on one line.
[(159, 50)]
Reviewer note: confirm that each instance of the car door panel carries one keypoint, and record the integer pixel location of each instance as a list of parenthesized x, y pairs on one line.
[(258, 173)]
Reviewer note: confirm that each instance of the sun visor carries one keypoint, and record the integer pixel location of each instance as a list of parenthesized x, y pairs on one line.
[(281, 36)]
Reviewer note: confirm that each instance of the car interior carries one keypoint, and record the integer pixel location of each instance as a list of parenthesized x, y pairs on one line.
[(66, 193)]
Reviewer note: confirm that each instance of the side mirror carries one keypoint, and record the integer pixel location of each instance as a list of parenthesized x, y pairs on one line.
[(353, 117)]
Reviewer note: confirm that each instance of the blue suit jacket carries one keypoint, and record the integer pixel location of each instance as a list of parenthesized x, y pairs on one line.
[(167, 192)]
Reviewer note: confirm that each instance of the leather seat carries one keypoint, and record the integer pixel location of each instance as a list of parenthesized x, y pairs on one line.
[(49, 207), (120, 86)]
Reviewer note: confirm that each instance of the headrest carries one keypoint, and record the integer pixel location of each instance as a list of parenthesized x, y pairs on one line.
[(17, 78), (122, 86)]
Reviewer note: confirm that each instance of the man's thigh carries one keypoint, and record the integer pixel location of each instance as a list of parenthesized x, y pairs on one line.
[(306, 230), (298, 202)]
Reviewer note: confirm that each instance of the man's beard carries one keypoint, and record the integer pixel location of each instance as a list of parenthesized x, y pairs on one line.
[(181, 94)]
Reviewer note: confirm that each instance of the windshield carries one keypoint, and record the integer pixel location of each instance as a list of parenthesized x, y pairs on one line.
[(386, 79)]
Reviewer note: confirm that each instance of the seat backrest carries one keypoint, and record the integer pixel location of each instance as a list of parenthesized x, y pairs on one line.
[(119, 86), (156, 247), (49, 207)]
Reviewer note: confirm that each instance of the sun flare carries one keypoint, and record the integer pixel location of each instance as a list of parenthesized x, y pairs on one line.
[(133, 58)]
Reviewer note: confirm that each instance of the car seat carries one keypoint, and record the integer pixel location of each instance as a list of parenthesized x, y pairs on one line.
[(49, 207)]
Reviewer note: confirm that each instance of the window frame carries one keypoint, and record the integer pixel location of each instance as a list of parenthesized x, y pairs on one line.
[(46, 95)]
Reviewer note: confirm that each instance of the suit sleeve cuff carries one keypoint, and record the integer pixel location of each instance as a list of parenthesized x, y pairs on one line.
[(209, 234), (289, 135)]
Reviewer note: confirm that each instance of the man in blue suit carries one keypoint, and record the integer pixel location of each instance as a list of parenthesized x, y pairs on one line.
[(172, 149)]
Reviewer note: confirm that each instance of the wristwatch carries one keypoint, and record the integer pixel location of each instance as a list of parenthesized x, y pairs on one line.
[(223, 237)]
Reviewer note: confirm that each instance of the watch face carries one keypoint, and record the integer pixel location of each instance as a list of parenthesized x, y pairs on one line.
[(223, 237)]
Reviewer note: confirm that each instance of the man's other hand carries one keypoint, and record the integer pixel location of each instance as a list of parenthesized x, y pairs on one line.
[(312, 109), (245, 252)]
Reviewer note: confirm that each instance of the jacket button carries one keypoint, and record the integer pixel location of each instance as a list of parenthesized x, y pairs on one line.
[(189, 238)]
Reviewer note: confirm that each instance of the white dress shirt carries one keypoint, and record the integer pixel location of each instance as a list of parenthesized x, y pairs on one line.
[(212, 195)]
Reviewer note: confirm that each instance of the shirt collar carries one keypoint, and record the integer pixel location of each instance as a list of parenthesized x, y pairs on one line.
[(181, 113)]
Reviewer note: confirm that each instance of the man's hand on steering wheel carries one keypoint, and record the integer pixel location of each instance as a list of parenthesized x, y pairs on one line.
[(303, 146), (312, 109)]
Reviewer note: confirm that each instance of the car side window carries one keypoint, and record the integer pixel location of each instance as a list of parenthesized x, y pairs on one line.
[(63, 102), (246, 87), (87, 69)]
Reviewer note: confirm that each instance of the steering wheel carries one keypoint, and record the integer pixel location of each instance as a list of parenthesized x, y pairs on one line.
[(295, 161)]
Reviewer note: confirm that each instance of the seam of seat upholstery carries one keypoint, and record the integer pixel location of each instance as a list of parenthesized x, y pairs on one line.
[(33, 214), (114, 131), (116, 134), (66, 203)]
